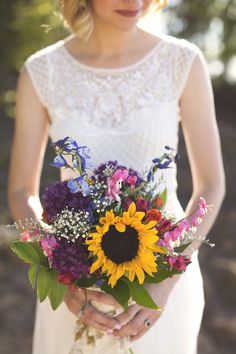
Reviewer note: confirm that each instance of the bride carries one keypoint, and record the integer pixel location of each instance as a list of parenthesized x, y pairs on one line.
[(122, 92)]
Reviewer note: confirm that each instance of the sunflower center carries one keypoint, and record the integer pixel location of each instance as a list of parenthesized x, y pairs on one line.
[(120, 247)]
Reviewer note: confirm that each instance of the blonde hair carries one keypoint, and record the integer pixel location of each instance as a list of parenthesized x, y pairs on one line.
[(78, 17)]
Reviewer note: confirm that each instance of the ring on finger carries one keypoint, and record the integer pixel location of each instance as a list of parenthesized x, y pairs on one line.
[(147, 323)]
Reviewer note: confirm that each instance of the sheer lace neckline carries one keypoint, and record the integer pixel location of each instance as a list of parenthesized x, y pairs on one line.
[(135, 64)]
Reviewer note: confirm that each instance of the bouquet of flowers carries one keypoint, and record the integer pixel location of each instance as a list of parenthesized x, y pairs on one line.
[(109, 230)]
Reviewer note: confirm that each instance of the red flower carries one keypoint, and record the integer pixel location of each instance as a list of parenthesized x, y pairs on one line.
[(163, 226), (154, 214), (158, 202), (66, 279)]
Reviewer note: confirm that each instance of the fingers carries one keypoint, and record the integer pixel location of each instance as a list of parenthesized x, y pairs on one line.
[(96, 319), (76, 301), (126, 316), (144, 329), (135, 328)]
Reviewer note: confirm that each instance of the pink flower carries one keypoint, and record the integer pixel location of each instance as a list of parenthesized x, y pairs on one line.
[(178, 263), (132, 181), (202, 203), (183, 225), (25, 236), (115, 183), (120, 175), (48, 244), (141, 204)]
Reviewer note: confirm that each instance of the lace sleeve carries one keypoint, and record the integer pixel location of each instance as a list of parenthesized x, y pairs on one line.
[(183, 61), (38, 68)]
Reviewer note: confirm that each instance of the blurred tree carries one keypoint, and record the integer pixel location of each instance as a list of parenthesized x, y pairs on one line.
[(27, 26), (212, 25)]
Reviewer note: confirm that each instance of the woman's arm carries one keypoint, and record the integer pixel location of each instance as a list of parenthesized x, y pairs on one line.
[(204, 151), (203, 146), (30, 140)]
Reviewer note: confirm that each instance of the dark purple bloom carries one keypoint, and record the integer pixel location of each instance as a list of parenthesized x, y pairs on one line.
[(71, 259), (57, 197)]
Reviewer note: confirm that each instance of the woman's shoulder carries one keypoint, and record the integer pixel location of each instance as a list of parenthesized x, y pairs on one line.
[(45, 53), (181, 45)]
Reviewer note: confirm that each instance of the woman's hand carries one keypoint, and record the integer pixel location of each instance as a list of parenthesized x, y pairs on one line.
[(138, 320), (76, 300)]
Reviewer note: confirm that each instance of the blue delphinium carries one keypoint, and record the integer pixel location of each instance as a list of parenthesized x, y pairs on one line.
[(79, 185)]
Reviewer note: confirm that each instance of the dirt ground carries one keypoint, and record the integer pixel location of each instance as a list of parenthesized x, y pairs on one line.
[(218, 265)]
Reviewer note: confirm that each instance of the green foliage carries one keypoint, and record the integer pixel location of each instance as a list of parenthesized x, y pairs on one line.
[(140, 295), (120, 292), (40, 275), (205, 22), (29, 25), (28, 252), (161, 275), (86, 283)]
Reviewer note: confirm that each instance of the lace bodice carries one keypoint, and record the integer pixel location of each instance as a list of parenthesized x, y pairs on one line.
[(127, 113)]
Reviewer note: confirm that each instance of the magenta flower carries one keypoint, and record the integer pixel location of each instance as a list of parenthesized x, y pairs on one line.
[(132, 181), (115, 183), (178, 263), (142, 204), (48, 244)]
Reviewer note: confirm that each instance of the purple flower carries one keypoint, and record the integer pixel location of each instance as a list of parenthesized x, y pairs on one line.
[(59, 161), (102, 171), (57, 197), (71, 259), (79, 184)]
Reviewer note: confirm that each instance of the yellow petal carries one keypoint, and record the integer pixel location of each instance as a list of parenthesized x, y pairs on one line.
[(139, 215), (120, 227), (150, 224), (159, 249), (132, 209), (97, 264), (131, 275), (102, 220), (140, 275)]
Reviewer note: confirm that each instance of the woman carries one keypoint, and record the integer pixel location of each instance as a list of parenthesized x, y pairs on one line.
[(122, 92)]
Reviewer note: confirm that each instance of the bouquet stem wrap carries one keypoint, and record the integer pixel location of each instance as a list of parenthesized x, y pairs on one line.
[(89, 340)]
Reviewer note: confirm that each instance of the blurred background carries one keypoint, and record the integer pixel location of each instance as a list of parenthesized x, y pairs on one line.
[(27, 26)]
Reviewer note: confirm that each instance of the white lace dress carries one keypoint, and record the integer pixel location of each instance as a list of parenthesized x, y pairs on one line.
[(128, 114)]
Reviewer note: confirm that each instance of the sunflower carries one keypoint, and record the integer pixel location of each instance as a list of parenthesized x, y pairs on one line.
[(124, 245)]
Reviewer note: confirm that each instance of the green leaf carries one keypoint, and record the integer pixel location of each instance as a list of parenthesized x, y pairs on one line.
[(180, 249), (120, 292), (161, 275), (58, 291), (45, 283), (26, 251), (32, 274), (141, 295), (42, 258), (86, 283), (163, 196)]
